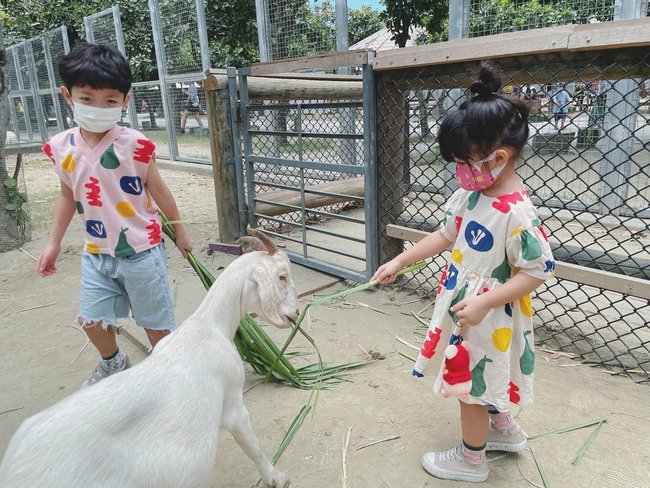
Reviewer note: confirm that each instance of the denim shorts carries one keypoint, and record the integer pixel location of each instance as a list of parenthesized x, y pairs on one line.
[(111, 286)]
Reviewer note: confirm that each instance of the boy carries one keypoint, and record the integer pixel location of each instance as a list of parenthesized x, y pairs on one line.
[(108, 175)]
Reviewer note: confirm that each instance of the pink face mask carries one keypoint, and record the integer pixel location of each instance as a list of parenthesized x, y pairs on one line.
[(471, 177)]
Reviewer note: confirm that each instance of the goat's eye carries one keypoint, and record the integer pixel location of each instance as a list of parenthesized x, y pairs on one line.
[(283, 278)]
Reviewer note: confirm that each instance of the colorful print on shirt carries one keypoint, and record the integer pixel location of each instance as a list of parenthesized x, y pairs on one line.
[(108, 183)]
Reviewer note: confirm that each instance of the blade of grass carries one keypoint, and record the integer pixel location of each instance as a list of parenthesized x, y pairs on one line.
[(569, 429), (542, 474), (587, 443), (335, 296), (288, 437)]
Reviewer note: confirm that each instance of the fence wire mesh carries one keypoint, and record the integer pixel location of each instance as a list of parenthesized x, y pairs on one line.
[(590, 178), (38, 111), (304, 172), (14, 205), (488, 17)]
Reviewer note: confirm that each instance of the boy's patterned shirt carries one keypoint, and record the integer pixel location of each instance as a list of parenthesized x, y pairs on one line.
[(108, 183)]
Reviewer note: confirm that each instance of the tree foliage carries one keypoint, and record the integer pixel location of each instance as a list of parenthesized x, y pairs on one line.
[(299, 29), (496, 16), (402, 15)]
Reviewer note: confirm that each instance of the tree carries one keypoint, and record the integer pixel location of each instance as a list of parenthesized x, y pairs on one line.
[(401, 15), (363, 22), (232, 32)]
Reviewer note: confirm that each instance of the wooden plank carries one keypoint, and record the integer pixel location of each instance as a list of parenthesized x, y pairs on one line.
[(478, 48), (567, 38), (321, 61), (611, 35), (314, 76), (287, 89), (626, 285), (341, 190)]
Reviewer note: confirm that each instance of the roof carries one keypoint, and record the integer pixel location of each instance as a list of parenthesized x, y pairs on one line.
[(381, 40)]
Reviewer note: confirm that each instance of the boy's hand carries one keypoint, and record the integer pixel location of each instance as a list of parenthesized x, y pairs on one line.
[(46, 264), (470, 311), (386, 272), (183, 243)]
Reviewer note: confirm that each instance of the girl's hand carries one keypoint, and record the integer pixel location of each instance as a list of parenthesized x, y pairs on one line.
[(386, 272), (470, 311)]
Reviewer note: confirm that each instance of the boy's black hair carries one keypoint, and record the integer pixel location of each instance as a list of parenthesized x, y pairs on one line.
[(487, 121), (96, 66)]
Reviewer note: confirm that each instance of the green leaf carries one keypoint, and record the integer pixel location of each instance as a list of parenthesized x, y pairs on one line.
[(9, 182)]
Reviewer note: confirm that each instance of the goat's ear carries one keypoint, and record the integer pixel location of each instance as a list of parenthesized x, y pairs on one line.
[(269, 294)]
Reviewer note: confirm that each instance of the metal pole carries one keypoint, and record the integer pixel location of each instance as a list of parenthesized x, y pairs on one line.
[(237, 150), (347, 121), (370, 163), (88, 28), (52, 80), (263, 32), (38, 103), (21, 88), (619, 126), (203, 35), (162, 77), (458, 29), (119, 38)]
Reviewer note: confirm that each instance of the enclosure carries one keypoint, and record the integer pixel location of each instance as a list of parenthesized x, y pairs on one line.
[(376, 132)]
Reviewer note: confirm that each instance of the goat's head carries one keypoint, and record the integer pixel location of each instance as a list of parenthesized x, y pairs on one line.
[(269, 290)]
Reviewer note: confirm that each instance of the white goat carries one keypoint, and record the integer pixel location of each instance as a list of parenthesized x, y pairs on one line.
[(156, 424)]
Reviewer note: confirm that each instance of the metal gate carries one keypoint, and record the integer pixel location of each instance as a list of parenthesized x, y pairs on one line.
[(306, 172)]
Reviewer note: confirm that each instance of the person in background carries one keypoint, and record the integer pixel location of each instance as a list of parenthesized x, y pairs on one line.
[(560, 107), (192, 106)]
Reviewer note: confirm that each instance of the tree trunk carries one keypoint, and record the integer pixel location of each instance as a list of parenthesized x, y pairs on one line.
[(10, 231)]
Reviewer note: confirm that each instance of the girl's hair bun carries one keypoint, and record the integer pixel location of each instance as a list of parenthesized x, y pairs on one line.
[(481, 90), (488, 83)]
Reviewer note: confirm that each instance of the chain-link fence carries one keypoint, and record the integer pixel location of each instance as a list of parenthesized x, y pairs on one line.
[(305, 164), (588, 171), (488, 17), (170, 110)]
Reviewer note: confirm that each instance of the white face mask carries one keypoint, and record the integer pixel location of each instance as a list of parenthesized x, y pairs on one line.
[(94, 119)]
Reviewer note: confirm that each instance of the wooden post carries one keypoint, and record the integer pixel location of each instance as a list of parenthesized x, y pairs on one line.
[(223, 156), (392, 136)]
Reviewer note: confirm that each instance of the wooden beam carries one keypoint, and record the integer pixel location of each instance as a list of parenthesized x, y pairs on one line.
[(611, 35), (321, 61), (567, 38), (625, 285), (287, 89), (340, 191)]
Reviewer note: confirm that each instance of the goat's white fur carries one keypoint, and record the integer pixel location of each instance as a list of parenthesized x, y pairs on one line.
[(156, 424)]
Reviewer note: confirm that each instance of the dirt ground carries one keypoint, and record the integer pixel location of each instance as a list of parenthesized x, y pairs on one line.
[(42, 360)]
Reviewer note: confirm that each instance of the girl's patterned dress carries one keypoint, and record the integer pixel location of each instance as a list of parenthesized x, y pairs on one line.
[(494, 238)]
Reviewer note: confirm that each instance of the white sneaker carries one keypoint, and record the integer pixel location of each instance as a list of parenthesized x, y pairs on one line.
[(512, 440), (451, 465), (107, 368)]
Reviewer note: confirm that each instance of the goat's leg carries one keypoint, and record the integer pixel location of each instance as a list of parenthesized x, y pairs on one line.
[(238, 423)]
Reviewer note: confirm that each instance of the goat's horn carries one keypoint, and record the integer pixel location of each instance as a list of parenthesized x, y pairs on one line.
[(253, 242), (268, 244)]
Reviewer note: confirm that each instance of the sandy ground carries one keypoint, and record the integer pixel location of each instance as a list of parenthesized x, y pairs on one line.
[(39, 347)]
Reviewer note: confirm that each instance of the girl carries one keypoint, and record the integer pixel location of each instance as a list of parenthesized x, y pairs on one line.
[(500, 255)]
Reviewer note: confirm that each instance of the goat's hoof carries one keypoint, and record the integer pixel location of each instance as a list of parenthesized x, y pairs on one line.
[(277, 479)]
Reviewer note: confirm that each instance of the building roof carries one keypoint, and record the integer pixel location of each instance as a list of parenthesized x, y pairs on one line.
[(381, 40)]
